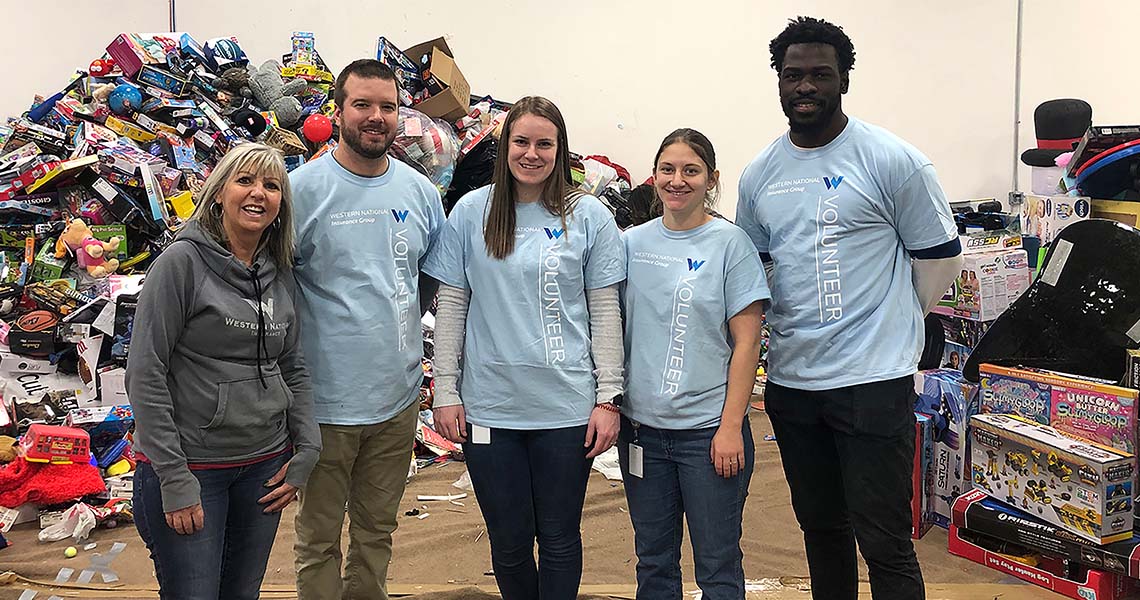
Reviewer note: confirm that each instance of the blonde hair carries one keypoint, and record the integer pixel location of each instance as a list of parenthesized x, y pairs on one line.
[(259, 159)]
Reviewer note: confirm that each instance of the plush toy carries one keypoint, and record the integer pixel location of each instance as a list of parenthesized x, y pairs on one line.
[(233, 87), (273, 94), (89, 252), (102, 92), (7, 449)]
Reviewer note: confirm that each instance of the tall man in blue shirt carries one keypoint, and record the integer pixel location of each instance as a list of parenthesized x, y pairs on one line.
[(859, 243), (364, 223)]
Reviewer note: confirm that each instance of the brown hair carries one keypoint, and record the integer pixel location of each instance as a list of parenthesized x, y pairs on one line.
[(366, 68), (703, 148), (558, 194)]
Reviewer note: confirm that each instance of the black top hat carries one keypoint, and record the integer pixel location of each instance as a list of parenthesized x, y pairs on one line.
[(1060, 124)]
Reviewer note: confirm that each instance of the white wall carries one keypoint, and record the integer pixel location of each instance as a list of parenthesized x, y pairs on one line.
[(625, 73), (1078, 50), (46, 40)]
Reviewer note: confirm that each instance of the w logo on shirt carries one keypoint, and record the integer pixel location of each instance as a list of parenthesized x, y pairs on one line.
[(400, 215), (553, 234), (266, 306), (695, 264), (832, 183)]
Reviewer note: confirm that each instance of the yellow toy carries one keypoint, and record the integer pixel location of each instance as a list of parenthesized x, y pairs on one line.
[(90, 253)]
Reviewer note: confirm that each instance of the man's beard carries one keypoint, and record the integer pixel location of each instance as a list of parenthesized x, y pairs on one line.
[(816, 123), (352, 138)]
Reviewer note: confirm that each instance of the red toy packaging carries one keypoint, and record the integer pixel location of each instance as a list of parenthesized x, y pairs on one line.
[(1050, 573), (56, 445)]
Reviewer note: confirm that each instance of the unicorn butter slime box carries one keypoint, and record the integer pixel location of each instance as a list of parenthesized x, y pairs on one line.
[(1091, 409)]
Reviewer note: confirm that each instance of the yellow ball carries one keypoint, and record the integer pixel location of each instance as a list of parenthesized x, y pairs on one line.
[(70, 552)]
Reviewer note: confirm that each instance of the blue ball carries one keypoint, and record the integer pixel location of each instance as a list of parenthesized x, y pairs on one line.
[(124, 99)]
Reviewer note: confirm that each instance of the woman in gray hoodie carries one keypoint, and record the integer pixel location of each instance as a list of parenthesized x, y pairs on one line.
[(221, 396)]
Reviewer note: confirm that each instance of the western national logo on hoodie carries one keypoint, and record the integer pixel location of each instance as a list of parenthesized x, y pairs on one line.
[(553, 234), (400, 215), (272, 328), (832, 183), (695, 264), (266, 307)]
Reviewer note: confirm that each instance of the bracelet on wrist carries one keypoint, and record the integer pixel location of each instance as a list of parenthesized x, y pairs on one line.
[(608, 406)]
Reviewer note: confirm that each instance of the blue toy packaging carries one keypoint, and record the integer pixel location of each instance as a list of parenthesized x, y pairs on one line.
[(1004, 393), (949, 401), (923, 477)]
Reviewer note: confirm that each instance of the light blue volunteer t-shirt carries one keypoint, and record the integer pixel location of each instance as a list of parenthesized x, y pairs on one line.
[(360, 242), (838, 222), (682, 288), (526, 353)]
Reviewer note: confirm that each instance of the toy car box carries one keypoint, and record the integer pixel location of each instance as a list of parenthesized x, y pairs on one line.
[(1091, 409), (950, 401), (982, 514), (1050, 573), (1002, 392), (1078, 485)]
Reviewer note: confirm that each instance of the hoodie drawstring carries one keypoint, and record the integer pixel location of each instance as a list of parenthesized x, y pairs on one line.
[(257, 292)]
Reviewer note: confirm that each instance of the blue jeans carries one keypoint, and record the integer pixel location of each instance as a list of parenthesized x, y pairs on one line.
[(679, 481), (225, 560), (531, 485)]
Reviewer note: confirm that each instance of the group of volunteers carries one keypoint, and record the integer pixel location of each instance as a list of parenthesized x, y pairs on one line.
[(277, 349)]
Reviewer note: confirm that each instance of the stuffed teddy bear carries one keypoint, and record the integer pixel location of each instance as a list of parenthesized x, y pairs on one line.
[(273, 94), (89, 252)]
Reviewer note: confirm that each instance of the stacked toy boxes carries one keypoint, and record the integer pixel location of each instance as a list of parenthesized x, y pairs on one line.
[(1054, 476)]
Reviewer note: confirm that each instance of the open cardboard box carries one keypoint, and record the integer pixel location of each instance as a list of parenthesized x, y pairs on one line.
[(454, 101)]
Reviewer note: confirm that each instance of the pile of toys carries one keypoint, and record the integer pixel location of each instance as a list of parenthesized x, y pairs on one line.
[(1032, 468), (95, 181)]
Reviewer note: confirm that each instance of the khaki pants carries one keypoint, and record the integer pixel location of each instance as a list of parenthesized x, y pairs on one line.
[(364, 467)]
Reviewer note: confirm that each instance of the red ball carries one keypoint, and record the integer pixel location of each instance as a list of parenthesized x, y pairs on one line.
[(317, 128)]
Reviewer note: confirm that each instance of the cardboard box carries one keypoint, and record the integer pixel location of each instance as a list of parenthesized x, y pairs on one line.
[(922, 478), (1120, 211), (1132, 371), (998, 240), (163, 80), (14, 363), (1080, 486), (113, 386), (1084, 407), (105, 424), (982, 514), (1045, 216), (47, 267), (950, 401), (104, 233), (965, 332), (24, 513), (1003, 392), (1088, 584), (989, 283), (133, 50), (454, 101)]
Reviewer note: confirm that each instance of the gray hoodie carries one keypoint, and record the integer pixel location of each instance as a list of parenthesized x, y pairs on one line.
[(203, 389)]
